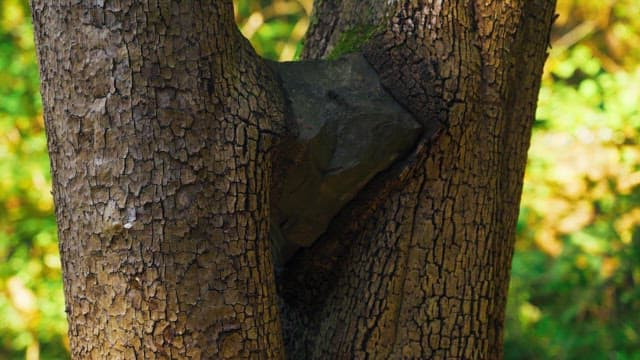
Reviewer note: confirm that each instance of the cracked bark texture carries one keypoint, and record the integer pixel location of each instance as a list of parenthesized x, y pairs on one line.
[(161, 121), (418, 265)]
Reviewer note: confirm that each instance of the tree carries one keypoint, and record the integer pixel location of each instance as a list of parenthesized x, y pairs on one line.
[(164, 127)]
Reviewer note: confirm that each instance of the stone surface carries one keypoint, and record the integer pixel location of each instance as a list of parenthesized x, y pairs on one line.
[(346, 129)]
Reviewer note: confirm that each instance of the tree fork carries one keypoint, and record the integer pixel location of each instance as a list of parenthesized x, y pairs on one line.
[(163, 129)]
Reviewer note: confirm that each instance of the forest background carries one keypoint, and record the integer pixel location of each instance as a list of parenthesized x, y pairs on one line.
[(575, 287)]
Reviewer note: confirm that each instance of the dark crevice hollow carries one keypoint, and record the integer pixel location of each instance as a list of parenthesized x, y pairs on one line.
[(347, 130)]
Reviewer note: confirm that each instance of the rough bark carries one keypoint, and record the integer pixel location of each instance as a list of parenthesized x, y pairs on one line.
[(418, 265), (161, 123), (160, 119)]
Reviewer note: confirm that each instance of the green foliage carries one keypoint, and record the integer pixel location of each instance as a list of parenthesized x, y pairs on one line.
[(274, 27), (575, 289), (352, 40), (575, 279)]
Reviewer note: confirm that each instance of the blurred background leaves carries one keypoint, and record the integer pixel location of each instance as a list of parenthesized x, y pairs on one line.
[(576, 273), (575, 290), (31, 303)]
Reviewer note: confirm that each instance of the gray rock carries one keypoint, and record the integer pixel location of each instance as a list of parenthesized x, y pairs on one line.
[(347, 129)]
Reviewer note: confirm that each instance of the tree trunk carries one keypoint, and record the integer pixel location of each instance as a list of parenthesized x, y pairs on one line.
[(162, 122), (423, 257), (160, 118)]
